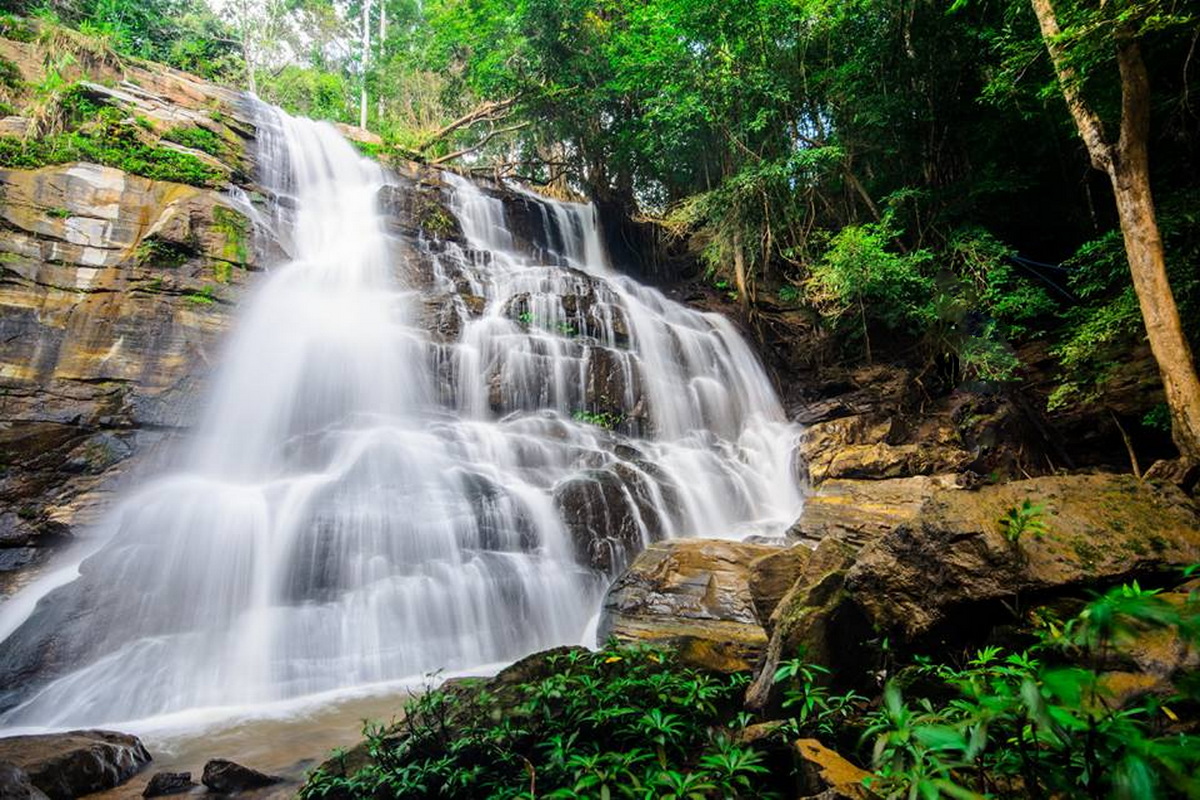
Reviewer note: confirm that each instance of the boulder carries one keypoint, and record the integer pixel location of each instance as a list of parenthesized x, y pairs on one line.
[(861, 511), (954, 555), (229, 777), (812, 619), (773, 575), (61, 766), (167, 783), (692, 594)]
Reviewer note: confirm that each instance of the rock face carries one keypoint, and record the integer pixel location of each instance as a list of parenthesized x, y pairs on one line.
[(67, 765), (114, 293), (1100, 529), (693, 594)]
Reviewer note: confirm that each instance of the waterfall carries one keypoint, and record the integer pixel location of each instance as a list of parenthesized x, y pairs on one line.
[(414, 458)]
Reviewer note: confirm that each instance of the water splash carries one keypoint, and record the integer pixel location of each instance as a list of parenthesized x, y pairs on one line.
[(413, 459)]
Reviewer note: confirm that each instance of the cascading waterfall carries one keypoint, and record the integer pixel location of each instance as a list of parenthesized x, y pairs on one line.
[(412, 461)]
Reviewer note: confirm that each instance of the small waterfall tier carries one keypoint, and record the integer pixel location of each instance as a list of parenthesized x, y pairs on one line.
[(422, 451)]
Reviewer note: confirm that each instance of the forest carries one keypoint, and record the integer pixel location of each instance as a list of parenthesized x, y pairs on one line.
[(910, 174), (963, 236)]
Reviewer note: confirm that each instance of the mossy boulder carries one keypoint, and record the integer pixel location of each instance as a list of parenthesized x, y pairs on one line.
[(955, 554)]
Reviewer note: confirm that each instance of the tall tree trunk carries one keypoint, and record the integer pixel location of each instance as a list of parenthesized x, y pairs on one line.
[(1128, 167), (366, 60), (382, 44)]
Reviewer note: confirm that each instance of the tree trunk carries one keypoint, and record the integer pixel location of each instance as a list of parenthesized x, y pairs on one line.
[(366, 60), (1128, 167), (382, 45)]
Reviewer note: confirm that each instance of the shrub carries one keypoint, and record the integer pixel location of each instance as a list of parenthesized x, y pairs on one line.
[(621, 722)]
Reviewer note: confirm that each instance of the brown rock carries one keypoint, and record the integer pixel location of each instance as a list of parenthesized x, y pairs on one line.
[(168, 783), (773, 575), (67, 765), (1100, 529), (693, 594), (825, 773), (860, 511)]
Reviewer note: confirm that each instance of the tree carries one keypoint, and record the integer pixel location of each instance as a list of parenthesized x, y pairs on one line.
[(1127, 164)]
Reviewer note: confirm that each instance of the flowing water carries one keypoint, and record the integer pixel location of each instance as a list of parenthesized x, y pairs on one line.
[(415, 457)]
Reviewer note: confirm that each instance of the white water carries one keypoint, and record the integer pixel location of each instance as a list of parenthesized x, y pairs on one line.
[(396, 467)]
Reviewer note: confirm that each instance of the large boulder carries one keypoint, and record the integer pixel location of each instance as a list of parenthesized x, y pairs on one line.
[(955, 555), (62, 766), (813, 620), (861, 511), (694, 595)]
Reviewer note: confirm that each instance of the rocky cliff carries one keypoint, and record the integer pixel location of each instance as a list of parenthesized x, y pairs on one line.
[(114, 292)]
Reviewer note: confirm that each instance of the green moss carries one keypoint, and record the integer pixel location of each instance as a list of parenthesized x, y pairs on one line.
[(1087, 552), (130, 155), (204, 297), (235, 228), (16, 28), (436, 222), (159, 254), (200, 139), (58, 212), (1157, 543)]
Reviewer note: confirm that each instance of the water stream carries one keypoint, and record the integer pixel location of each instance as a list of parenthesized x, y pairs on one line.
[(415, 457)]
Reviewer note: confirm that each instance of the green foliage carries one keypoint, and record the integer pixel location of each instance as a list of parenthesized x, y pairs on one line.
[(860, 277), (58, 212), (812, 709), (1027, 518), (310, 92), (10, 74), (1028, 724), (1106, 326), (618, 723), (203, 297), (102, 135), (608, 420)]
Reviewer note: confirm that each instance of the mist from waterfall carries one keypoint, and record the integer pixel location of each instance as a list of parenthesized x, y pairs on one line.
[(414, 458)]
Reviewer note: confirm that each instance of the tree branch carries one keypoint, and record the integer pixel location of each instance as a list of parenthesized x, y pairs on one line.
[(490, 111), (491, 135)]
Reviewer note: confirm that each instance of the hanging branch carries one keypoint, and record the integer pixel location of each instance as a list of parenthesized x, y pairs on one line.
[(490, 111), (492, 134)]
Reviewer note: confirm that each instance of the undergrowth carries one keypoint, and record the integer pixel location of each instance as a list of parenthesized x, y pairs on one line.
[(618, 723), (1043, 722)]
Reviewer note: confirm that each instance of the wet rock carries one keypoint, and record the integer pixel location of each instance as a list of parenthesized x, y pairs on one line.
[(229, 777), (15, 784), (166, 783), (609, 514), (861, 511), (67, 765), (693, 594), (825, 774), (1100, 529)]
